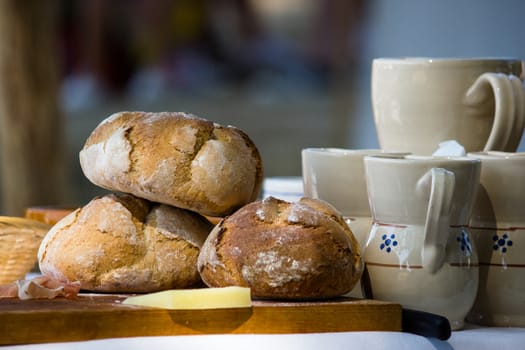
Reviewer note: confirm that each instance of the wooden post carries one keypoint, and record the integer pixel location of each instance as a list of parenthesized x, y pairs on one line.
[(31, 127)]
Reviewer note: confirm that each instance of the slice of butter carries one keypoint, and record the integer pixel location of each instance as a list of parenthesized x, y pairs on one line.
[(194, 299)]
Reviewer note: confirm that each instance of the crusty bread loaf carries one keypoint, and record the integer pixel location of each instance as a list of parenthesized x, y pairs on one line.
[(124, 244), (283, 250), (176, 159)]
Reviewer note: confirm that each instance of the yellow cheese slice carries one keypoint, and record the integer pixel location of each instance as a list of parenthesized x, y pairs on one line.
[(194, 299)]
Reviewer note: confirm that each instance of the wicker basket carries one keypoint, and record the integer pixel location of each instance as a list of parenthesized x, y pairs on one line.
[(19, 242)]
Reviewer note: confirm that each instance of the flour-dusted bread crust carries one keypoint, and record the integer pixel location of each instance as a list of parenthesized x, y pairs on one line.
[(283, 250), (176, 159), (124, 244)]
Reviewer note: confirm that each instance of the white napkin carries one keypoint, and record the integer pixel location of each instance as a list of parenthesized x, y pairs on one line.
[(449, 148)]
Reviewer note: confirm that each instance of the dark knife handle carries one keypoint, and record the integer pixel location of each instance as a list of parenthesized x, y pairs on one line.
[(426, 324)]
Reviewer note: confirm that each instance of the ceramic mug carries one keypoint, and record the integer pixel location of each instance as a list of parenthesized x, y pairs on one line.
[(498, 230), (337, 176), (419, 252), (420, 102)]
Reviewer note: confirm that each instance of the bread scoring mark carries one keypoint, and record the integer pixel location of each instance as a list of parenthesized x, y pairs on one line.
[(303, 214), (223, 164), (184, 139), (279, 269), (109, 157), (116, 214), (207, 167), (211, 152), (208, 256), (116, 152), (176, 223), (269, 210), (162, 177)]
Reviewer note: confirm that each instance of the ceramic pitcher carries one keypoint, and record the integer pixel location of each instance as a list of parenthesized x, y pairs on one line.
[(419, 252)]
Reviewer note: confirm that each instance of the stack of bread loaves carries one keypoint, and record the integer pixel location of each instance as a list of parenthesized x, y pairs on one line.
[(170, 171)]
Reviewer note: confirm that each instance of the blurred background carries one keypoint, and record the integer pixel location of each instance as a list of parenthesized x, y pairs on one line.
[(292, 74)]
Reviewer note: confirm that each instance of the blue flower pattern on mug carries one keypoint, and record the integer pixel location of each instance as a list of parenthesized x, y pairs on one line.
[(501, 243), (387, 242), (464, 242)]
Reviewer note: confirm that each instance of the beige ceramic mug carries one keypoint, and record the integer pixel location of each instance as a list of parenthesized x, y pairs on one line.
[(419, 251), (498, 230), (337, 176), (420, 102)]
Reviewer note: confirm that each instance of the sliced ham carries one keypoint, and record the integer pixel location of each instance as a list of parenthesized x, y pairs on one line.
[(40, 287)]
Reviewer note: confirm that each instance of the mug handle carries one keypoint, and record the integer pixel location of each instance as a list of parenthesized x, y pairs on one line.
[(519, 123), (509, 114), (440, 183)]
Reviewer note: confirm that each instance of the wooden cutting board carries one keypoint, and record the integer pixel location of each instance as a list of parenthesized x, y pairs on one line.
[(95, 316)]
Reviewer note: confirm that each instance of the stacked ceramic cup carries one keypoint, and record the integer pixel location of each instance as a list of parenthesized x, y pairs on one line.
[(498, 229), (430, 229)]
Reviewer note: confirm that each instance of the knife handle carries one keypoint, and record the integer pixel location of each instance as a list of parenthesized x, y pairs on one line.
[(426, 324)]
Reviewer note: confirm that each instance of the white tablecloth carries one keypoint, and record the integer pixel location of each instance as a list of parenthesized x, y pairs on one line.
[(474, 338)]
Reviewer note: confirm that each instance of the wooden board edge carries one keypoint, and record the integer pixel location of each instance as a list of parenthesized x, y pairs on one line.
[(133, 322)]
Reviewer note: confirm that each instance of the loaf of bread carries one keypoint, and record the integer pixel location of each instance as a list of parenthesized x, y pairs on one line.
[(176, 159), (124, 244), (283, 250)]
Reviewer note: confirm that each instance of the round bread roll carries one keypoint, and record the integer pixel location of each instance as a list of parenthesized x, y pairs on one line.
[(176, 159), (283, 250), (124, 244)]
